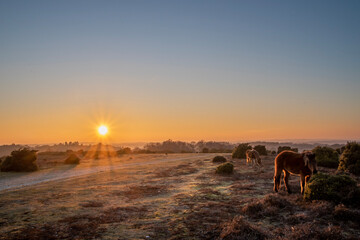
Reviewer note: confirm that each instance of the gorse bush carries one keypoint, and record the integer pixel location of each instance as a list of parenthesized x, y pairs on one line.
[(240, 151), (284, 148), (326, 157), (22, 160), (334, 188), (226, 168), (219, 159), (261, 149), (72, 159), (350, 158)]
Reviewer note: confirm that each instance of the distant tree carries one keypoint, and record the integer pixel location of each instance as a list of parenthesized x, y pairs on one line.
[(240, 150), (205, 150), (261, 149)]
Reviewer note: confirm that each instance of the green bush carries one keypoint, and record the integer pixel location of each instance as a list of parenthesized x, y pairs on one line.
[(240, 151), (326, 157), (219, 159), (226, 168), (286, 148), (334, 188), (261, 149), (72, 159), (22, 160), (350, 158)]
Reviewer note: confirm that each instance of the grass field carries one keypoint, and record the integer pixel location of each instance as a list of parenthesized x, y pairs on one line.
[(157, 196)]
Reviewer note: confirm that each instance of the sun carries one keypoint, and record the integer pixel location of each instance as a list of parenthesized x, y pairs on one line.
[(103, 130)]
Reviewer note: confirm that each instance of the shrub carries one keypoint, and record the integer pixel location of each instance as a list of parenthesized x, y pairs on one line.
[(238, 228), (205, 150), (240, 151), (284, 148), (125, 150), (219, 159), (334, 188), (261, 149), (346, 214), (72, 159), (22, 160), (226, 168), (350, 158), (326, 157)]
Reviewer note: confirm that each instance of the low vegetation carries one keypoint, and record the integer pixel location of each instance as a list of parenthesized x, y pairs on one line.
[(350, 158), (334, 188), (72, 159), (240, 150), (22, 160), (182, 199), (239, 228), (219, 159), (326, 157), (125, 150), (226, 168)]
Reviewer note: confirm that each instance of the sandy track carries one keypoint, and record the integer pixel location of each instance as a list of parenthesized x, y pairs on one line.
[(12, 181)]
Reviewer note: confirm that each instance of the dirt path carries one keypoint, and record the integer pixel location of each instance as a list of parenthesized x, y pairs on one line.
[(11, 181)]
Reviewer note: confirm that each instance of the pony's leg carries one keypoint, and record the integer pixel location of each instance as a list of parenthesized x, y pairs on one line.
[(277, 182), (302, 183), (286, 181)]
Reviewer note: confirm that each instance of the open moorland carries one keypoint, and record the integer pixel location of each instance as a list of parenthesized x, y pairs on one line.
[(159, 196)]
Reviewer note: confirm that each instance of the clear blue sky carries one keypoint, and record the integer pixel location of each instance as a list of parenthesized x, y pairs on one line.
[(187, 70)]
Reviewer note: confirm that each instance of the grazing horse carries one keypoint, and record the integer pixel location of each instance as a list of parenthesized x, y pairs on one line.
[(253, 157), (290, 162)]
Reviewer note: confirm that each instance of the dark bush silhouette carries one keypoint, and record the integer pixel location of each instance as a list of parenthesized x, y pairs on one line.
[(334, 188), (125, 150), (350, 158), (240, 151), (72, 159), (205, 150), (326, 157), (219, 159), (226, 168), (22, 160), (284, 148), (261, 149)]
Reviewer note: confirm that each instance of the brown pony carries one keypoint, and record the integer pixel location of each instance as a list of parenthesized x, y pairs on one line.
[(253, 157), (290, 162)]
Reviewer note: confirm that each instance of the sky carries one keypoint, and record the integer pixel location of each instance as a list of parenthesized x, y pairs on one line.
[(181, 70)]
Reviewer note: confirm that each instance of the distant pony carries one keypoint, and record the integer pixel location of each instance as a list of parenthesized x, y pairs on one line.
[(290, 162), (253, 157)]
